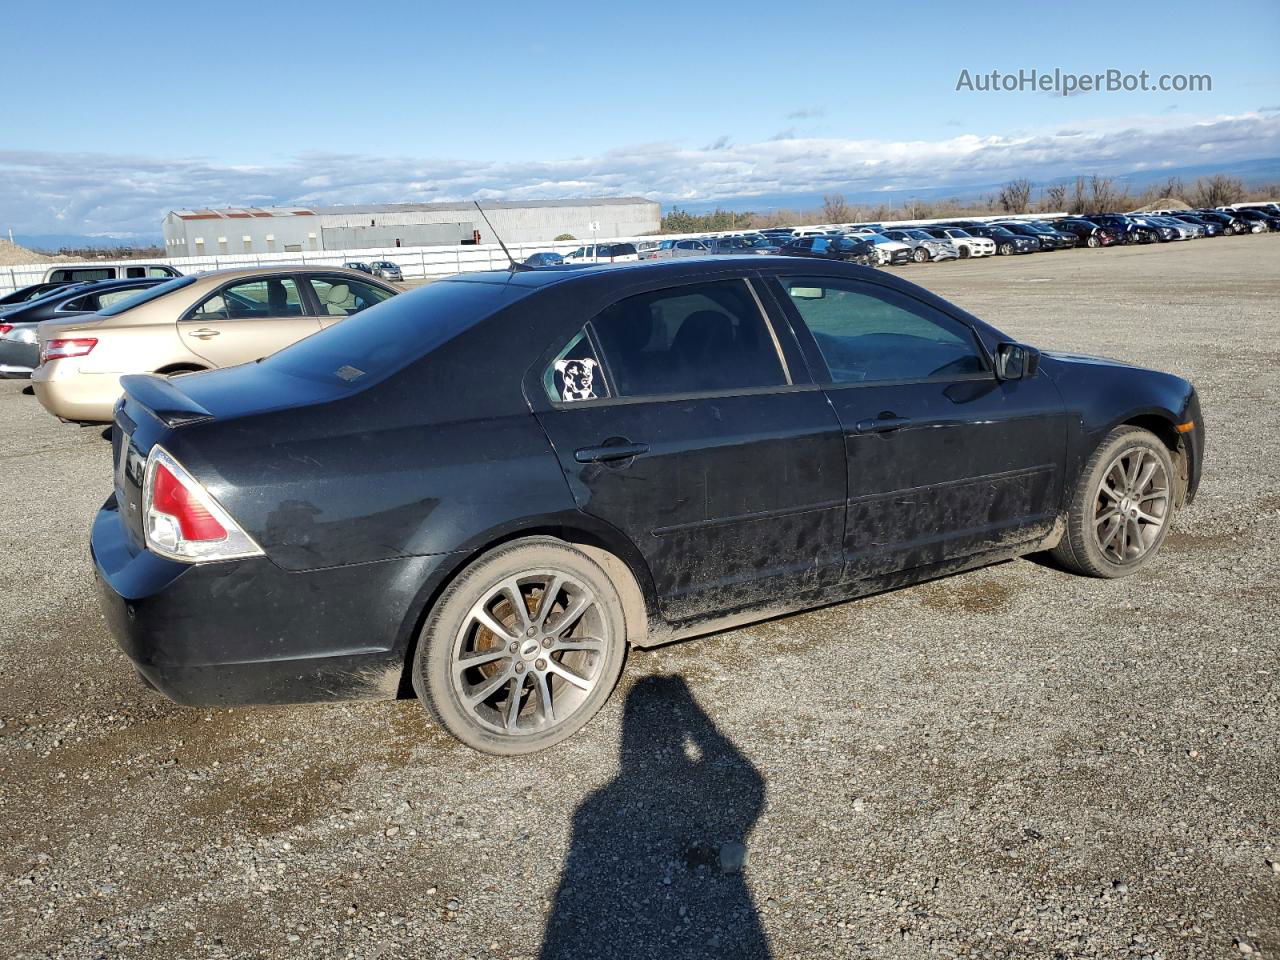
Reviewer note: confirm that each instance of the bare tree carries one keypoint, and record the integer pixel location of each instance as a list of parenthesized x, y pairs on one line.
[(1218, 190), (834, 208), (1015, 196), (1054, 198)]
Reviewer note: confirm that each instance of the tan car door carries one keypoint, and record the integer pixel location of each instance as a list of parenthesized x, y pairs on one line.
[(248, 320), (341, 296)]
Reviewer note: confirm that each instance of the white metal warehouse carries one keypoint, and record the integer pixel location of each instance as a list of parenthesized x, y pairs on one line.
[(194, 233)]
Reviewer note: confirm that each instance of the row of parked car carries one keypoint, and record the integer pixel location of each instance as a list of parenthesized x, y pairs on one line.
[(876, 244), (84, 326)]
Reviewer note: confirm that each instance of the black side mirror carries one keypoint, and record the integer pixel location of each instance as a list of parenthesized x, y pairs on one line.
[(1016, 361)]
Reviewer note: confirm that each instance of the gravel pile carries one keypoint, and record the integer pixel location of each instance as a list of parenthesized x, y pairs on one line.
[(11, 254), (1012, 762)]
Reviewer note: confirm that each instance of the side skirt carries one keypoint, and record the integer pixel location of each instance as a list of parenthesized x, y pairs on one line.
[(843, 592)]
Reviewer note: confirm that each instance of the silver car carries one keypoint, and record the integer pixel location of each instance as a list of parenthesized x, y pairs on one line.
[(923, 246), (386, 270), (680, 248)]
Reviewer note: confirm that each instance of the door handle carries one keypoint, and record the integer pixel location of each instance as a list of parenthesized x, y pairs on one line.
[(205, 333), (607, 452), (881, 424)]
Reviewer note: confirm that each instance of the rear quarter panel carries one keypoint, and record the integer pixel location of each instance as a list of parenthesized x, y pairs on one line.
[(442, 456)]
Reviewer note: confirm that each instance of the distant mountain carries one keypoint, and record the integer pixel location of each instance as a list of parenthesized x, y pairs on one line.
[(1252, 172), (52, 242)]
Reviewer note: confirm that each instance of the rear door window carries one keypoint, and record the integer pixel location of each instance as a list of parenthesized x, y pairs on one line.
[(254, 299), (575, 374), (705, 337), (342, 296)]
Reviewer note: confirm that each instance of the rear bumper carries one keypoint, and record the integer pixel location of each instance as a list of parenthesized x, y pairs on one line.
[(247, 631), (18, 359), (67, 393)]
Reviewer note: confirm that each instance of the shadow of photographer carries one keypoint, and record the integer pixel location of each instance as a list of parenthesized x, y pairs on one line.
[(655, 865)]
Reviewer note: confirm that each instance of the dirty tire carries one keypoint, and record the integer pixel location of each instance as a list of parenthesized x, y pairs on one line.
[(964, 253), (564, 665), (1080, 551)]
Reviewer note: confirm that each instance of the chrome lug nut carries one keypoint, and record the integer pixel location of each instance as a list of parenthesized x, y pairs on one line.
[(540, 664), (514, 646), (519, 667)]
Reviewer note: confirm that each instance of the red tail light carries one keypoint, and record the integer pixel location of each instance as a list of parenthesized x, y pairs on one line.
[(170, 497), (56, 349), (182, 521), (5, 328)]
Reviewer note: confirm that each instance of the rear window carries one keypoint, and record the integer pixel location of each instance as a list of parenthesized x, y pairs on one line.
[(84, 273), (375, 343), (146, 296)]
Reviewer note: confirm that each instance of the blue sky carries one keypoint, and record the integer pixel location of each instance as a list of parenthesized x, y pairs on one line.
[(110, 121)]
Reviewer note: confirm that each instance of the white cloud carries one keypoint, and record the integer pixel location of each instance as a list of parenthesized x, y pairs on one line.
[(102, 193)]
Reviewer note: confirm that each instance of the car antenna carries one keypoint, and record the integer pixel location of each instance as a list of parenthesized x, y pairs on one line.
[(515, 267)]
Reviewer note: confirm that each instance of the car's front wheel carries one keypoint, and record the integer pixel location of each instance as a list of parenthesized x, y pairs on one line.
[(522, 649), (1006, 249), (1093, 241), (1122, 506), (920, 255)]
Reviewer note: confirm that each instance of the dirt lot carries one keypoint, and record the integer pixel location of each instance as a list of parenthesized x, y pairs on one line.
[(1013, 762)]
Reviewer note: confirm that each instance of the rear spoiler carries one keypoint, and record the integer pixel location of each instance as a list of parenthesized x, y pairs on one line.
[(166, 402)]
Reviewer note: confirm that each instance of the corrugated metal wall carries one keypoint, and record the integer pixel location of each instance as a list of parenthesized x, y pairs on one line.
[(395, 235), (226, 236)]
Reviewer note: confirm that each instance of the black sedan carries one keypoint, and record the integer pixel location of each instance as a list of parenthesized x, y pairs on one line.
[(487, 489), (1230, 225), (31, 292), (1007, 241), (1128, 230), (848, 249), (1050, 237), (1269, 222), (19, 345)]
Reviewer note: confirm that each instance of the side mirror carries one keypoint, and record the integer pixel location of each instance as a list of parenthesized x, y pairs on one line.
[(1016, 361)]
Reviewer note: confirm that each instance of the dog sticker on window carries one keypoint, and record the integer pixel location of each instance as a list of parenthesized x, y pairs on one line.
[(577, 378)]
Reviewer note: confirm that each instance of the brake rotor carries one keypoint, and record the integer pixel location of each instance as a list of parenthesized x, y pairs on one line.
[(486, 640)]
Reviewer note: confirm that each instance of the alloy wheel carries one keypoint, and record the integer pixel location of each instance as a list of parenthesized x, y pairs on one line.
[(530, 652), (1132, 505)]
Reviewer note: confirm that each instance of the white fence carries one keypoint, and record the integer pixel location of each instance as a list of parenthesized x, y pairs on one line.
[(414, 262)]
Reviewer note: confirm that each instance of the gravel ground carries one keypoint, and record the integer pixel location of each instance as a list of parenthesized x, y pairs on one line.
[(1008, 763)]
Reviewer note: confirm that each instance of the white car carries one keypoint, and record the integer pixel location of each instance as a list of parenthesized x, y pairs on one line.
[(966, 244), (603, 253), (889, 251)]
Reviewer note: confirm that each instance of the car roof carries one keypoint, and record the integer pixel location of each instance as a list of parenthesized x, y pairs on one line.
[(685, 269)]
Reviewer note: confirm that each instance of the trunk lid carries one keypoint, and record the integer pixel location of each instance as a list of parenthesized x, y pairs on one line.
[(154, 408)]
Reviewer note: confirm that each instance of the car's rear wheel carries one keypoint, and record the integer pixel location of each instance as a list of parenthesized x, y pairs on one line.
[(1122, 506), (523, 648)]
